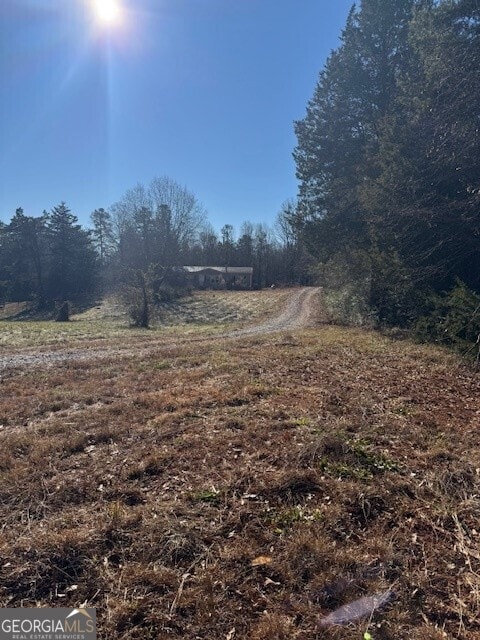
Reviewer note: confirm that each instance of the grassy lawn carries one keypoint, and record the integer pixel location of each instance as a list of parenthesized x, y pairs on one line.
[(247, 488)]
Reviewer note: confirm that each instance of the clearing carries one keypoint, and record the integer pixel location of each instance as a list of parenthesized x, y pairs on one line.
[(204, 484), (103, 331)]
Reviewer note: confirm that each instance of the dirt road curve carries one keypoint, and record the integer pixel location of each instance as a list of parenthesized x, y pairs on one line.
[(299, 313)]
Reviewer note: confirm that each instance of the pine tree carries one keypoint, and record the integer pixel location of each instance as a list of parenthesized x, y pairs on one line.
[(25, 255), (338, 153), (245, 245), (103, 235), (227, 245), (338, 139), (73, 264), (430, 153)]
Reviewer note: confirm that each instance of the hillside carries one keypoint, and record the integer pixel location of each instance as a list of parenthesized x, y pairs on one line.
[(244, 488), (108, 323)]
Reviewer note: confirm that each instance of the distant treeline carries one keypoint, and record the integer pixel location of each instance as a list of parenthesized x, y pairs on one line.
[(388, 212), (388, 160), (52, 258)]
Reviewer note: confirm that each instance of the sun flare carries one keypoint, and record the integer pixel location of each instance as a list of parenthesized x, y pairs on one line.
[(107, 11)]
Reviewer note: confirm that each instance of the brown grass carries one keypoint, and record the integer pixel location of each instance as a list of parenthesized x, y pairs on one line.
[(148, 488), (202, 313)]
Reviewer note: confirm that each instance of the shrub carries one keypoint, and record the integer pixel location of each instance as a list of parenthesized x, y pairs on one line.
[(63, 313), (452, 319), (345, 279)]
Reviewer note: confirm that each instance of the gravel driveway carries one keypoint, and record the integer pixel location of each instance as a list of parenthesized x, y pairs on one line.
[(298, 313)]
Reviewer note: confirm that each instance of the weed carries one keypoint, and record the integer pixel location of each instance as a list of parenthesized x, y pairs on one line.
[(353, 459), (304, 421), (115, 512), (376, 462), (211, 496), (285, 518), (162, 365)]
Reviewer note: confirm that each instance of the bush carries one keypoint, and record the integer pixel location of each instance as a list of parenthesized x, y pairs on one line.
[(63, 313), (371, 288), (345, 306), (144, 293), (394, 298), (167, 293), (453, 318), (136, 296), (345, 279)]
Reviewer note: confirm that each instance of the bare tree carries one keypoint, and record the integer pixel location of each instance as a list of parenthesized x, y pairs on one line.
[(187, 215), (157, 222)]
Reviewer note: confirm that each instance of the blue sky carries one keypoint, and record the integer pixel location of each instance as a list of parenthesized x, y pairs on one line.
[(203, 91)]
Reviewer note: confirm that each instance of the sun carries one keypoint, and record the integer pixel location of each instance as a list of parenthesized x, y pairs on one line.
[(107, 11)]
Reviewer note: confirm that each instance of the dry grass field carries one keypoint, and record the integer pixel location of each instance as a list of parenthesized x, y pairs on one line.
[(204, 312), (243, 489)]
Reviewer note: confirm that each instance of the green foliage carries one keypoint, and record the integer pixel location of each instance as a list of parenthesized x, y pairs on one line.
[(346, 282), (395, 299), (210, 496), (338, 138), (427, 188), (381, 294), (23, 258), (52, 258), (346, 307), (287, 517), (46, 258), (358, 461), (72, 264), (102, 234), (388, 160), (453, 318)]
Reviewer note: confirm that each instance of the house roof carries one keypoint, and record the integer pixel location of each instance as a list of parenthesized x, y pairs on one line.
[(238, 270)]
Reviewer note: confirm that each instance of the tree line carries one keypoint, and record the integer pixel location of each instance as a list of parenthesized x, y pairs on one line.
[(388, 211), (388, 161), (151, 229)]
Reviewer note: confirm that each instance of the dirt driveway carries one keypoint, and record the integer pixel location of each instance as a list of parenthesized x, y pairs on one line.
[(301, 311)]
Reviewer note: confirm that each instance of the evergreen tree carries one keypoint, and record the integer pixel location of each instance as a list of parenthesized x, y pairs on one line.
[(103, 236), (262, 273), (73, 264), (227, 245), (245, 248), (144, 226), (340, 150), (388, 153), (23, 257), (430, 154), (339, 137), (294, 263), (167, 241), (209, 248)]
